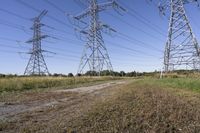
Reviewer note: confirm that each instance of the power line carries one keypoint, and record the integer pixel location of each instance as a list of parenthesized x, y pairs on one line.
[(9, 39), (73, 40), (190, 17), (56, 29), (135, 27), (62, 11), (14, 14), (130, 49), (114, 44), (64, 39), (148, 23), (22, 28), (8, 51), (80, 4), (37, 10), (130, 39), (143, 19), (12, 25), (8, 46), (24, 18), (67, 59), (126, 48), (67, 50), (55, 6), (52, 48)]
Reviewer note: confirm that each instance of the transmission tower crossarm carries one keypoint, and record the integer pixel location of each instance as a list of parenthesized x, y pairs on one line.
[(107, 5), (42, 14), (108, 27), (82, 31), (99, 8), (38, 38), (83, 15)]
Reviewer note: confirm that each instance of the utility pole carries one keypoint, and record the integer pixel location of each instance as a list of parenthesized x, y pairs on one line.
[(36, 64), (181, 49), (95, 57)]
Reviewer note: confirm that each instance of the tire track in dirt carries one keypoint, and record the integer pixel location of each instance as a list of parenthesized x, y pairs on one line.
[(11, 109), (49, 115)]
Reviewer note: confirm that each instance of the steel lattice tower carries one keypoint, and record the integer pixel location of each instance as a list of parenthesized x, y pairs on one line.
[(182, 49), (95, 55), (36, 64)]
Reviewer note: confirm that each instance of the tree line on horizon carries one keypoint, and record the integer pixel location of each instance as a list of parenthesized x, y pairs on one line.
[(103, 73)]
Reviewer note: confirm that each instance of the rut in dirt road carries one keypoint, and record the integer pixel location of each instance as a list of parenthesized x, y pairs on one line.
[(59, 110), (49, 99)]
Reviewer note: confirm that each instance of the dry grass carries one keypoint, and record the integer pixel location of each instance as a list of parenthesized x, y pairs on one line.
[(142, 108), (30, 83), (15, 89), (55, 118)]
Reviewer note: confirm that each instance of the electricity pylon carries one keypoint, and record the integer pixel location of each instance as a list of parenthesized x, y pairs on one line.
[(182, 49), (95, 55), (36, 64)]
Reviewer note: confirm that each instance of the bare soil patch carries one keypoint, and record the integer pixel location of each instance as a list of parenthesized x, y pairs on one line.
[(51, 111)]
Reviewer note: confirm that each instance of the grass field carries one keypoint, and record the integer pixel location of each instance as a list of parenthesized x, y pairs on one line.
[(139, 105), (148, 105), (33, 83)]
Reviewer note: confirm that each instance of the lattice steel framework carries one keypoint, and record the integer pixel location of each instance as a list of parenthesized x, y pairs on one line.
[(182, 49), (95, 55), (36, 64)]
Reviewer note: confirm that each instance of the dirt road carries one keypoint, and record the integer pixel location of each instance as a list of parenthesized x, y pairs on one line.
[(47, 111)]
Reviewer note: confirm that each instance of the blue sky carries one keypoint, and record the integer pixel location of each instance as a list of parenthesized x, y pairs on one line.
[(140, 49)]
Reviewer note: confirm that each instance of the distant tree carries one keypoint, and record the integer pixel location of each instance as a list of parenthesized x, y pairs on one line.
[(2, 75), (105, 73), (78, 74), (70, 75), (55, 75), (91, 73), (117, 74), (131, 74), (122, 73)]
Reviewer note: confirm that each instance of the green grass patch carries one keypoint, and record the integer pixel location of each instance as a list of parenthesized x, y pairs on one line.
[(178, 83)]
